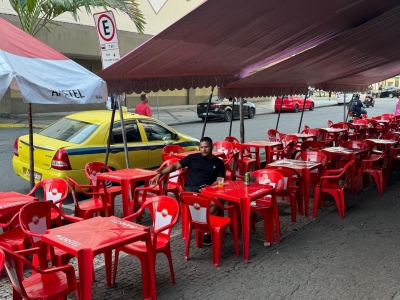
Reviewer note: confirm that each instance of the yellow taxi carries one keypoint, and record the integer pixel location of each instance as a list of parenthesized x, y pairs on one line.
[(63, 148)]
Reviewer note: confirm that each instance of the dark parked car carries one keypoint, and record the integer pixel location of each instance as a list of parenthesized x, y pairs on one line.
[(221, 108), (390, 91)]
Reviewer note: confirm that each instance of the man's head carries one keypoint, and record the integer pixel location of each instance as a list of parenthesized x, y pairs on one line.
[(206, 146), (144, 98)]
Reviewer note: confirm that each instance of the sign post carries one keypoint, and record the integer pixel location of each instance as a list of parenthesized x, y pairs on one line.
[(108, 40)]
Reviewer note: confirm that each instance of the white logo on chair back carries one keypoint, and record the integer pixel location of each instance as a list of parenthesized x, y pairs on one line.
[(93, 177), (198, 213), (38, 225), (162, 219), (173, 176), (67, 240), (53, 195)]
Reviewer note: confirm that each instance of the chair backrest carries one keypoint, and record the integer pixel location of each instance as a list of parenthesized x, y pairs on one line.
[(374, 133), (314, 156), (312, 146), (273, 135), (231, 139), (340, 125), (329, 122), (356, 144), (173, 148), (305, 129), (11, 262), (198, 208), (54, 189), (290, 138), (92, 169), (314, 131), (269, 177), (35, 219), (173, 176), (360, 121), (390, 136), (291, 177), (388, 115), (225, 147)]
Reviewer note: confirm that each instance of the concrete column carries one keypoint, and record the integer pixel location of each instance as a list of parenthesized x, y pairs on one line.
[(5, 105)]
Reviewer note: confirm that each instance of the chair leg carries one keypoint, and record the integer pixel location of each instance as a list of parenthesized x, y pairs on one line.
[(275, 219), (187, 246), (167, 251), (316, 201), (216, 237)]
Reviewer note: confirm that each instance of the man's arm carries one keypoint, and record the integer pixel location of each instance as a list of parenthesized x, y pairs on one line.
[(167, 170)]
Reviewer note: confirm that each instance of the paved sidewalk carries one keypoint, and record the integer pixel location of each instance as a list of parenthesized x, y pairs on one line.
[(171, 115)]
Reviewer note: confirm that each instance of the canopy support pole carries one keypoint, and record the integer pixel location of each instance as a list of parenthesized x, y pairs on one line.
[(233, 112), (121, 116), (158, 107), (31, 155), (302, 112), (208, 108), (110, 134), (344, 107), (241, 121)]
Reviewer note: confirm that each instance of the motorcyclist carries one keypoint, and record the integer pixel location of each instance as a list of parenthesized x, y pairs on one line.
[(358, 105)]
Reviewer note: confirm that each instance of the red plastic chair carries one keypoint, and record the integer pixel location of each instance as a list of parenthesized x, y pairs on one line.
[(167, 150), (390, 136), (292, 189), (199, 219), (267, 206), (98, 204), (91, 171), (245, 162), (376, 167), (55, 190), (311, 146), (314, 156), (273, 135), (326, 137), (35, 219), (164, 211), (173, 185), (305, 129), (329, 122), (286, 152), (231, 139), (224, 147), (329, 183), (52, 283)]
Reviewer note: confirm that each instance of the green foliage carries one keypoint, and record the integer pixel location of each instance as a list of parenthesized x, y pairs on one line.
[(37, 14)]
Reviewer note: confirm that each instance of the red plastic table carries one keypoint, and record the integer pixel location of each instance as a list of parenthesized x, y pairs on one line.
[(349, 155), (127, 178), (268, 146), (91, 237), (12, 201), (305, 167), (304, 136), (238, 192)]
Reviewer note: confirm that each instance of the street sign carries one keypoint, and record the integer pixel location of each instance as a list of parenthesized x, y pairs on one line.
[(108, 41)]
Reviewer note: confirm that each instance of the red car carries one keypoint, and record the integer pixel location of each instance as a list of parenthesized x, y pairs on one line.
[(293, 103)]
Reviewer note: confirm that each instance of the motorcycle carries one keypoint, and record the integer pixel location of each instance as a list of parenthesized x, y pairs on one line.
[(352, 113), (369, 101)]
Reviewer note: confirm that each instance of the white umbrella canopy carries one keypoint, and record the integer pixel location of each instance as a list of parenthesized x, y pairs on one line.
[(43, 75)]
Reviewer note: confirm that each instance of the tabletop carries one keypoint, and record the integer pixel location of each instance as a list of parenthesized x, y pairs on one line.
[(96, 234), (10, 201), (343, 150), (261, 144), (381, 141), (294, 163), (334, 130), (127, 174), (303, 135), (235, 190)]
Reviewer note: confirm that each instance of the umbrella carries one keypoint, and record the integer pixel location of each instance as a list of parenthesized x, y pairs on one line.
[(43, 75)]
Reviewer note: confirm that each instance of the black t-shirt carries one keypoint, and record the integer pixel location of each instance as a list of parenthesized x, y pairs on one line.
[(202, 170)]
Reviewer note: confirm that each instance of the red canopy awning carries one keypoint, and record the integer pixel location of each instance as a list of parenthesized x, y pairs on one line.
[(348, 62), (222, 41)]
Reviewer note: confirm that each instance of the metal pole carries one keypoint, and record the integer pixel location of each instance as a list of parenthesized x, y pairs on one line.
[(208, 108), (302, 112), (158, 107), (241, 121), (110, 134), (279, 114), (121, 116), (344, 107), (31, 155), (233, 112)]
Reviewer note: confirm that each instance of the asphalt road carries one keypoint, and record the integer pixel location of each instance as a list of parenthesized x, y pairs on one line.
[(255, 129)]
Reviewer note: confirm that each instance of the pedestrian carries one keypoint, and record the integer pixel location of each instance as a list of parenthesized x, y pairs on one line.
[(358, 105), (143, 108), (379, 91), (203, 169)]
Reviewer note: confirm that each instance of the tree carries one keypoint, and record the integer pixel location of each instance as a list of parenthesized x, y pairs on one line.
[(37, 14)]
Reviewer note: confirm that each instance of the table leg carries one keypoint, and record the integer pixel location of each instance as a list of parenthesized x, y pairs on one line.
[(267, 155), (245, 214), (152, 280), (306, 190), (125, 198), (107, 262), (85, 267)]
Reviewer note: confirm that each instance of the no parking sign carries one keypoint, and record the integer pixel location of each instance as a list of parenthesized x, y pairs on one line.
[(107, 32)]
